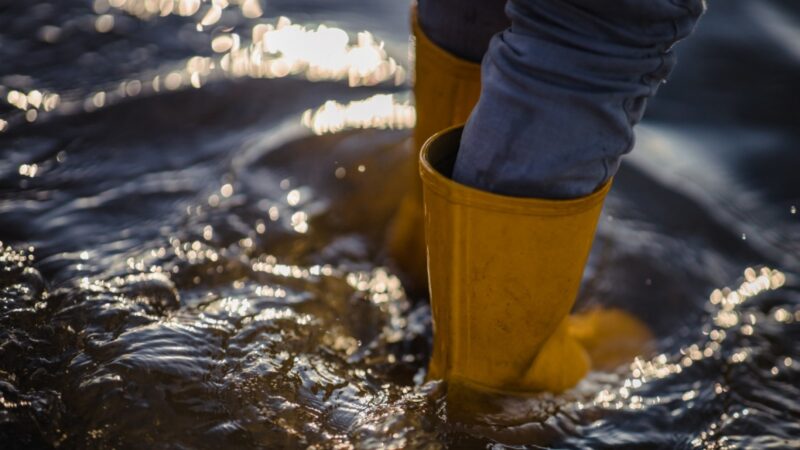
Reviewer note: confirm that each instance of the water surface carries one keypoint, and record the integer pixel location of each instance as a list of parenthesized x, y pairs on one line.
[(193, 197)]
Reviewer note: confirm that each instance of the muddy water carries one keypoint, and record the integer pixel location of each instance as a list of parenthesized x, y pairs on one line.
[(191, 213)]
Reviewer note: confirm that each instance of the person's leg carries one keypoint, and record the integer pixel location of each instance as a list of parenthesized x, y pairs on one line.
[(451, 37), (462, 27), (562, 89), (509, 229)]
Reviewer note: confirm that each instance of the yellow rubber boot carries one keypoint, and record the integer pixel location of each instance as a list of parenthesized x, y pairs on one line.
[(445, 90), (611, 336), (504, 273)]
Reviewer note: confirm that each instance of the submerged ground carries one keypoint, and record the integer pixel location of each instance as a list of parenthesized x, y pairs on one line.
[(192, 202)]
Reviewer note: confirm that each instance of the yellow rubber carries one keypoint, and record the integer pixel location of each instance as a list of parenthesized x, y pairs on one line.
[(611, 336), (504, 273), (446, 89)]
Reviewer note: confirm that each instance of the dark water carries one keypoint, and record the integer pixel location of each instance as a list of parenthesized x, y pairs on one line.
[(188, 263)]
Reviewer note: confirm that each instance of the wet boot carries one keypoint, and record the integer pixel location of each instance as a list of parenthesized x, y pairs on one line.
[(446, 89), (504, 274)]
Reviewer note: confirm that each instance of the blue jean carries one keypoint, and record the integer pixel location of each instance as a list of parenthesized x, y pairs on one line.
[(563, 84)]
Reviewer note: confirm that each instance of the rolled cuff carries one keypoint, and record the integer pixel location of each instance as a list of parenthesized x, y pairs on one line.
[(562, 89)]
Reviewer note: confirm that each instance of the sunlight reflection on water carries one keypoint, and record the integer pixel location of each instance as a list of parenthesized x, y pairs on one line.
[(381, 111), (274, 50)]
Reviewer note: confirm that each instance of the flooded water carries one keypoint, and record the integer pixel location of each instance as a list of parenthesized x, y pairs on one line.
[(193, 196)]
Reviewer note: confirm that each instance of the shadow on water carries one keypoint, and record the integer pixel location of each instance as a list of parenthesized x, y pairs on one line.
[(193, 266)]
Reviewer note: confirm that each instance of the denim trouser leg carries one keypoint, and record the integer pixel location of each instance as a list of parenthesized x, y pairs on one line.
[(562, 88), (462, 27)]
